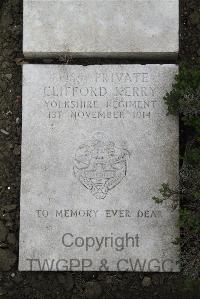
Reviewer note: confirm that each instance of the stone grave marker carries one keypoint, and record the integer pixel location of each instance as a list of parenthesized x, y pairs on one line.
[(96, 147), (99, 28)]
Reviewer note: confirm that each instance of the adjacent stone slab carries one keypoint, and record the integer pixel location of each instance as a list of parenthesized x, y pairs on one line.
[(96, 147), (114, 28)]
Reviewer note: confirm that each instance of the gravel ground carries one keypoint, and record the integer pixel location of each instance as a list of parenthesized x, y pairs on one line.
[(91, 285)]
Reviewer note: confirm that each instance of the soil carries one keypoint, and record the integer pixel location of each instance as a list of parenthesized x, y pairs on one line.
[(91, 285)]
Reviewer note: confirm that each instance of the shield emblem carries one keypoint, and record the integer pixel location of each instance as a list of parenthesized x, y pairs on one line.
[(100, 165)]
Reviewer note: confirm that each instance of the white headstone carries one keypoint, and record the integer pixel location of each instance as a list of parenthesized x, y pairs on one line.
[(96, 147), (129, 28)]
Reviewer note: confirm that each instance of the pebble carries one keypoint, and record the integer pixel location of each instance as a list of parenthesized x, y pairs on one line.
[(18, 278), (19, 60), (18, 99), (7, 19), (9, 112), (4, 132), (47, 60), (75, 297), (8, 76), (8, 52), (89, 276), (17, 150), (7, 217), (156, 279), (11, 239), (7, 259), (9, 208), (195, 18), (93, 290), (3, 85), (9, 225), (3, 245), (2, 291), (67, 280), (61, 278), (3, 232), (5, 65), (146, 282), (17, 29)]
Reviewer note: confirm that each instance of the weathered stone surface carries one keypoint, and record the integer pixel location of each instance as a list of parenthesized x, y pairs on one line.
[(135, 28), (96, 147)]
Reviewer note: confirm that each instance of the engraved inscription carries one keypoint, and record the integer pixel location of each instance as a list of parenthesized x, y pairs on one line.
[(100, 165)]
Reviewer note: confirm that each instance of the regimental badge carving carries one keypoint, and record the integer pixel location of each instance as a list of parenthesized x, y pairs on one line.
[(100, 165)]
